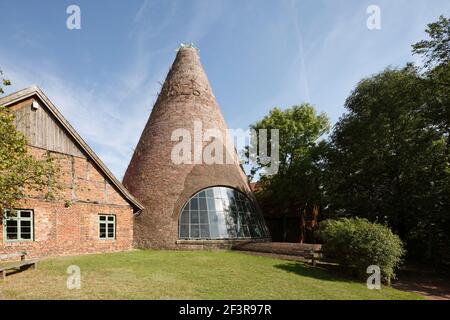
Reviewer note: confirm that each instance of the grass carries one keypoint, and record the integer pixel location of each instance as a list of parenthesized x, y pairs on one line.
[(148, 274)]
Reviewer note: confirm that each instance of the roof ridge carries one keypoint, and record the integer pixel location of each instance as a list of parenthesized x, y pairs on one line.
[(35, 90)]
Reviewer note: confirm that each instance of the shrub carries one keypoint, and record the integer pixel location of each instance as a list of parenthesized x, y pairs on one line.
[(357, 243)]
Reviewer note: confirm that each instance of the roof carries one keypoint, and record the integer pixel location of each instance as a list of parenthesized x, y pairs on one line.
[(36, 91)]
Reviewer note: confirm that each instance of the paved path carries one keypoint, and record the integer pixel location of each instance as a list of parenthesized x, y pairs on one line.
[(425, 281)]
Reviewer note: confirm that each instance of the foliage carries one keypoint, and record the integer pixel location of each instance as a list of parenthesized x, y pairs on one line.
[(295, 188), (436, 50), (4, 82), (436, 56), (357, 243), (20, 172), (388, 158), (388, 161)]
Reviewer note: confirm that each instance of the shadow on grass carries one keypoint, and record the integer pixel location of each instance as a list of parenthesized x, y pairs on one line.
[(305, 270), (18, 270)]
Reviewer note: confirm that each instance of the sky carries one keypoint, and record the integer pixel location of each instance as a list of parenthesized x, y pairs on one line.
[(258, 54)]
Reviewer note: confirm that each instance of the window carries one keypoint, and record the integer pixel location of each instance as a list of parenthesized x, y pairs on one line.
[(18, 225), (107, 226), (221, 213)]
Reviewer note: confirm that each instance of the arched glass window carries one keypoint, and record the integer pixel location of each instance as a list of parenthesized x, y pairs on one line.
[(221, 213)]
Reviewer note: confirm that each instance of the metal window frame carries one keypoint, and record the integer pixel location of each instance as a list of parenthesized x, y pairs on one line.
[(247, 207)]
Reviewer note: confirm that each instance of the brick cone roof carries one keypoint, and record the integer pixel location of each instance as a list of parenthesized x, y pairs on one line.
[(162, 186)]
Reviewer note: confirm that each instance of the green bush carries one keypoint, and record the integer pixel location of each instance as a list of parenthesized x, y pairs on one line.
[(357, 243)]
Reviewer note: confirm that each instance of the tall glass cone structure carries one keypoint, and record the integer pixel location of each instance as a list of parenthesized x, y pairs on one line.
[(189, 199)]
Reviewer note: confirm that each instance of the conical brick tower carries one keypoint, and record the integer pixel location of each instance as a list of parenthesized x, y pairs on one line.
[(188, 203)]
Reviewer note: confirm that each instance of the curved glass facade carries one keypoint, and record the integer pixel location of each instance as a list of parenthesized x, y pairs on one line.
[(221, 213)]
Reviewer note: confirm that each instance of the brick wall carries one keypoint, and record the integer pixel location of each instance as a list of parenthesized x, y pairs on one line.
[(161, 185), (68, 225)]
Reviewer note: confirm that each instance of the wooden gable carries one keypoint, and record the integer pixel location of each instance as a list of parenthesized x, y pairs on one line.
[(41, 128)]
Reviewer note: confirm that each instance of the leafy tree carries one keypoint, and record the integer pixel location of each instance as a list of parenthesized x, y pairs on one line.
[(389, 159), (296, 186), (436, 50), (20, 172), (5, 82), (435, 53)]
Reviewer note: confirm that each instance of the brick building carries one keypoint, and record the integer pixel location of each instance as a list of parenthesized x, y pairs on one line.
[(168, 205), (92, 213), (192, 204)]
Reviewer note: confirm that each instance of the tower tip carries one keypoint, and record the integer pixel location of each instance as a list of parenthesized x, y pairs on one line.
[(187, 46)]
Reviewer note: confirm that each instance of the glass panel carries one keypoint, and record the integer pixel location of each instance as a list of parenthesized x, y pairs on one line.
[(194, 204), (12, 214), (11, 230), (111, 231), (217, 193), (212, 216), (185, 217), (219, 205), (25, 235), (11, 236), (204, 217), (184, 231), (102, 230), (102, 218), (229, 194), (214, 231), (202, 194), (211, 204), (194, 217), (204, 230), (25, 229), (195, 231), (25, 214), (210, 193), (202, 204), (111, 218), (223, 230), (226, 204), (221, 213)]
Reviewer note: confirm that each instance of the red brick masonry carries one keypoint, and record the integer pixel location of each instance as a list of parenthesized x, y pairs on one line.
[(69, 224)]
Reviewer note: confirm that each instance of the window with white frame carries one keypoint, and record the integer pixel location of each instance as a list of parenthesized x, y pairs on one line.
[(18, 225), (107, 226)]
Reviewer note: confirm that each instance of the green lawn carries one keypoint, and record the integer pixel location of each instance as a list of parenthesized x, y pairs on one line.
[(149, 274)]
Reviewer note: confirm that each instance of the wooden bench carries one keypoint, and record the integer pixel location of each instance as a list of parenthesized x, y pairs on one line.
[(16, 265), (314, 256)]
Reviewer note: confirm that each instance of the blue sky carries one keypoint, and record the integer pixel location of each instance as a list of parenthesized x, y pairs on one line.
[(258, 54)]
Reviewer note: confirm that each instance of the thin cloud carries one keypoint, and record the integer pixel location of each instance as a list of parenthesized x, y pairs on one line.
[(303, 72)]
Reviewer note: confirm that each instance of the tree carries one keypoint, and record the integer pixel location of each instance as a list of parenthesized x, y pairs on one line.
[(389, 156), (436, 50), (388, 159), (20, 172), (435, 53), (296, 186), (5, 82)]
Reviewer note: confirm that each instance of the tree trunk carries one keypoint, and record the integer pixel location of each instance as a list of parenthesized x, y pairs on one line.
[(284, 233)]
